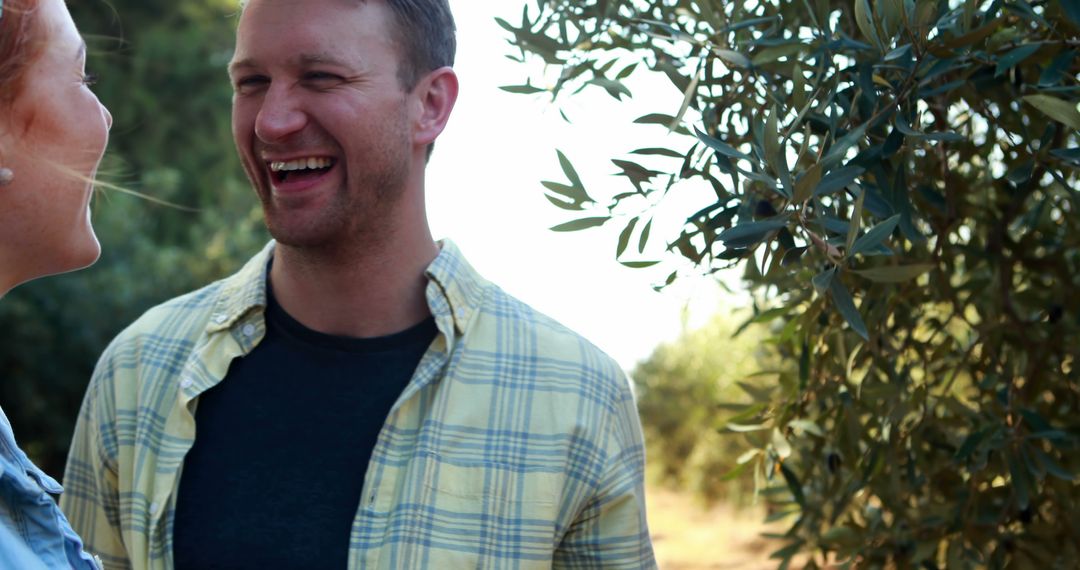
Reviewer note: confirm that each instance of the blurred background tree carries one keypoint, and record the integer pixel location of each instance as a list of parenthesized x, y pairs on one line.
[(161, 68), (898, 179), (679, 387)]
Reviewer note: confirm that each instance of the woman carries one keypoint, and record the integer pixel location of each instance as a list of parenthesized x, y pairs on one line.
[(53, 132)]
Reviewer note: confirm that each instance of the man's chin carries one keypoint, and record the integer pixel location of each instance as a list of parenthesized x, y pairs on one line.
[(299, 236)]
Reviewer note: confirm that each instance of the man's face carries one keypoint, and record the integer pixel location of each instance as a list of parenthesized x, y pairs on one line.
[(319, 117)]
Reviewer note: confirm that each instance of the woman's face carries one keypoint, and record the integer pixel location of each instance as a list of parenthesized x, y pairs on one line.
[(52, 138)]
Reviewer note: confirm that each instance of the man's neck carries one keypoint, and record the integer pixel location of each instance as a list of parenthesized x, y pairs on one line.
[(369, 292)]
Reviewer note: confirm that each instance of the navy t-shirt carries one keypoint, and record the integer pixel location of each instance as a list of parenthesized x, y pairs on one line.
[(282, 444)]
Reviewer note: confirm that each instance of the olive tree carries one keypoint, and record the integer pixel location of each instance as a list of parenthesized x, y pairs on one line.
[(898, 180)]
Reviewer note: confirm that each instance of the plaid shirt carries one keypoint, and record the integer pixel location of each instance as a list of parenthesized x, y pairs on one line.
[(516, 443)]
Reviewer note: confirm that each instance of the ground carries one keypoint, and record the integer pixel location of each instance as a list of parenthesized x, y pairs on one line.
[(687, 536)]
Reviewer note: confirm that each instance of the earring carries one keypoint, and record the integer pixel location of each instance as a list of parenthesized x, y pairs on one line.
[(6, 175)]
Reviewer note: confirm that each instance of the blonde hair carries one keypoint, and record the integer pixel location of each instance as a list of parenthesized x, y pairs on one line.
[(104, 186)]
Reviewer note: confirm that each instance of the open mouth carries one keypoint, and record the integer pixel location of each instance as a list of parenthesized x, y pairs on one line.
[(300, 169)]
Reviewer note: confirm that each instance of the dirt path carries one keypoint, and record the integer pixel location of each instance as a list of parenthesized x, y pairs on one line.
[(688, 537)]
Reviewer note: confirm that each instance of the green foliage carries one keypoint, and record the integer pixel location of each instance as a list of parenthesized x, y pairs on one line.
[(680, 387), (900, 179), (162, 69)]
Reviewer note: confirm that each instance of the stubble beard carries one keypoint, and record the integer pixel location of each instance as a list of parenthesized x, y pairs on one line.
[(360, 214)]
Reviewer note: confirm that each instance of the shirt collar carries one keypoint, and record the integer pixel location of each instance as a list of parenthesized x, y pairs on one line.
[(454, 288), (241, 293)]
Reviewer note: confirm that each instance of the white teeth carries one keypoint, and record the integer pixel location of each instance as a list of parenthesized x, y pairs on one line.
[(300, 164)]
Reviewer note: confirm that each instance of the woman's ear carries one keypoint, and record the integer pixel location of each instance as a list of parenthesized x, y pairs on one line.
[(7, 176)]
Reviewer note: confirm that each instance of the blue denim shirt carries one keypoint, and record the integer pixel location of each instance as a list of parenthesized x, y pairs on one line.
[(34, 534)]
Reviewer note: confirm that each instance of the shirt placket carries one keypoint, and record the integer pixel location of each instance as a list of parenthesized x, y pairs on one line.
[(380, 493), (237, 341)]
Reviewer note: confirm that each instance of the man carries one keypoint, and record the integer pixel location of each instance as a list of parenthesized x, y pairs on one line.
[(356, 396)]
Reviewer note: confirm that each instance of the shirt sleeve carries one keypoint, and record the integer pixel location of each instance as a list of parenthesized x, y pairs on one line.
[(91, 499), (611, 531)]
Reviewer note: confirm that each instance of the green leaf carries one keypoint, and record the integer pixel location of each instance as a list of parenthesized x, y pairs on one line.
[(627, 71), (733, 57), (842, 299), (864, 19), (974, 36), (798, 89), (750, 233), (971, 442), (1052, 466), (1020, 482), (875, 236), (655, 119), (823, 280), (788, 552), (781, 445), (773, 152), (840, 147), (568, 169), (722, 147), (856, 221), (644, 238), (922, 17), (1057, 109), (841, 536), (771, 54), (583, 223), (624, 237), (838, 179), (1069, 155), (804, 361), (658, 152), (522, 89), (794, 485), (805, 185), (689, 96), (793, 256), (807, 426), (756, 394), (741, 428), (905, 128), (762, 317), (894, 273), (562, 203), (1059, 67), (639, 264), (1014, 57), (613, 87), (1072, 10), (747, 456), (892, 18), (572, 193), (735, 472), (747, 412)]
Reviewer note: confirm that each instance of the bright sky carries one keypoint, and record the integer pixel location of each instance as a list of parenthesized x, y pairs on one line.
[(484, 193)]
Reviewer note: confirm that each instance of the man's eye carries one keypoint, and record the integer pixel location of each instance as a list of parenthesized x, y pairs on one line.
[(249, 82), (321, 76)]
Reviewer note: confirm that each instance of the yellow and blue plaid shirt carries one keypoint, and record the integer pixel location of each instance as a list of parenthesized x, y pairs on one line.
[(516, 443)]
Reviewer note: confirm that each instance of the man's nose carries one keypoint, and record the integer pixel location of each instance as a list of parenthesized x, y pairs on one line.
[(280, 115)]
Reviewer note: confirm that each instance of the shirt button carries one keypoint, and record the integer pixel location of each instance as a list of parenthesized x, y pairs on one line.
[(248, 330), (186, 383), (154, 508), (220, 319)]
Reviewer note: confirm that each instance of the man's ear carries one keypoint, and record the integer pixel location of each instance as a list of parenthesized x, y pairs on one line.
[(436, 94)]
